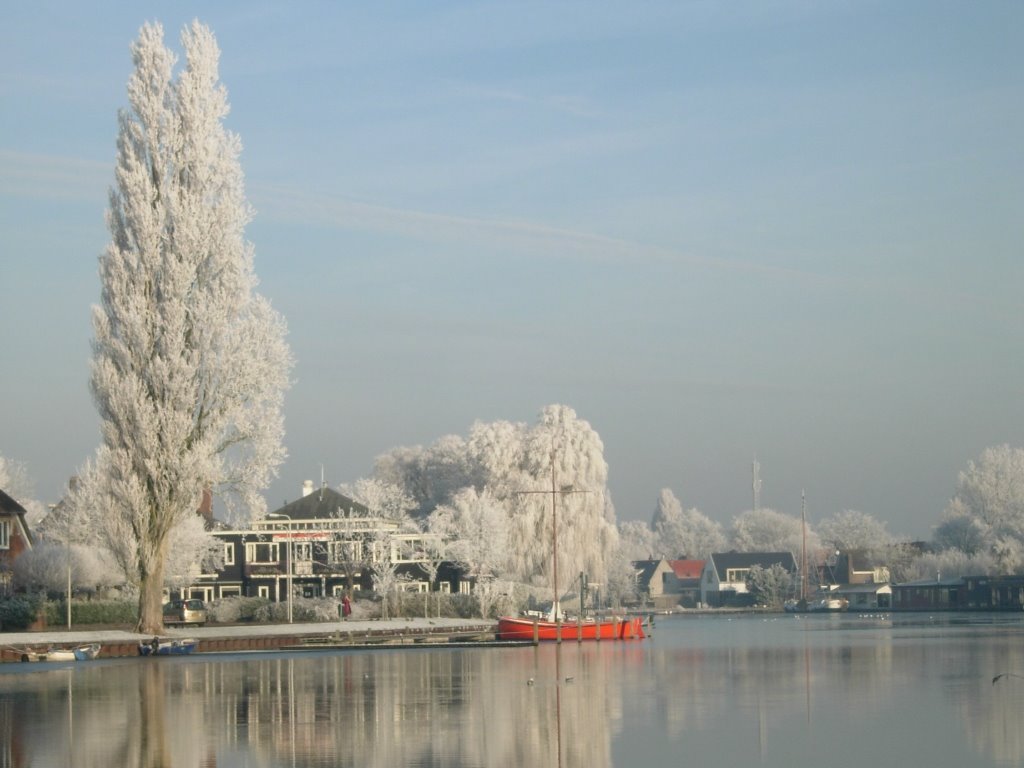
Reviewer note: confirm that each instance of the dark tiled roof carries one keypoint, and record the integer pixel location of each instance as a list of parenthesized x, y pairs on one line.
[(646, 569), (10, 506), (323, 503), (725, 560)]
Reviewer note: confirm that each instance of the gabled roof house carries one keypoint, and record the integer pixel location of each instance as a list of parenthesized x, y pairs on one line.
[(15, 537), (724, 581), (322, 544)]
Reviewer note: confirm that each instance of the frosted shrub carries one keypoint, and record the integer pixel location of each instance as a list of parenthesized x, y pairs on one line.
[(231, 610)]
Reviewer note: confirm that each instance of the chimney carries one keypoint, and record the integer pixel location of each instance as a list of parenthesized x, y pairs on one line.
[(206, 508), (307, 488)]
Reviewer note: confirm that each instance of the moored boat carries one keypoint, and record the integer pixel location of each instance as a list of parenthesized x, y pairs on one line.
[(81, 653), (608, 628), (554, 628), (158, 647)]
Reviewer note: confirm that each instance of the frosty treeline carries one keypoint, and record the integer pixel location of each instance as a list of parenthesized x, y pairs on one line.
[(469, 491), (189, 361), (489, 496)]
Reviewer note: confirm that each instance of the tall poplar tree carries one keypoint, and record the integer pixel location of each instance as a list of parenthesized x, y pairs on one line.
[(190, 363)]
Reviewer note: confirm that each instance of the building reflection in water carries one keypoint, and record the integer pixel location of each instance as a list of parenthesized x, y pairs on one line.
[(369, 709), (550, 705)]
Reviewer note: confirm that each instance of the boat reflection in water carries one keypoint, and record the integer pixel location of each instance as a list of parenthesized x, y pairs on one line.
[(380, 708), (752, 690)]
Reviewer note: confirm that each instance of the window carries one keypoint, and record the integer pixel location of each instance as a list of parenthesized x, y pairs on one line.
[(736, 575), (233, 591), (263, 591), (346, 551), (5, 534), (229, 554), (261, 552)]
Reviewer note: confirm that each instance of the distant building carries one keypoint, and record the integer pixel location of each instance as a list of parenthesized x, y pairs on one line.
[(15, 538), (329, 544), (724, 580)]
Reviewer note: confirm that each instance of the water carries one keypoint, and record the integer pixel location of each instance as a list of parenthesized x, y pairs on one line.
[(778, 691)]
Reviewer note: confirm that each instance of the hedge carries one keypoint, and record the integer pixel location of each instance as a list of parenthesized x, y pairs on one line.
[(92, 612)]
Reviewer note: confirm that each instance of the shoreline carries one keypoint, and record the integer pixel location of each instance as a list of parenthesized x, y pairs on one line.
[(118, 643)]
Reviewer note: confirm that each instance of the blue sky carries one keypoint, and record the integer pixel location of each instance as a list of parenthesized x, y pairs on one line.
[(716, 230)]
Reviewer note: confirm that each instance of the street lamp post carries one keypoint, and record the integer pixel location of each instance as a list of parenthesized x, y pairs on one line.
[(283, 516)]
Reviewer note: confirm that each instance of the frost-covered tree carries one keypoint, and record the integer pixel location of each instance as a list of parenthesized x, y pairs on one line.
[(47, 567), (193, 550), (566, 478), (382, 498), (513, 462), (683, 533), (14, 479), (429, 476), (766, 530), (951, 563), (962, 531), (190, 363), (636, 540), (851, 529), (769, 586), (987, 512), (16, 482), (392, 503), (475, 526)]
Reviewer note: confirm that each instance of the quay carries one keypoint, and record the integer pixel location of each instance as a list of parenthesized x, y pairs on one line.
[(234, 638)]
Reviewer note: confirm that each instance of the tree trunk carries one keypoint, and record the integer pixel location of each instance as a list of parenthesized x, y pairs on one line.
[(151, 599)]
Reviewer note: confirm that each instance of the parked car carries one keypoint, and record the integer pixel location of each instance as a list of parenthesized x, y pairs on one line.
[(185, 612)]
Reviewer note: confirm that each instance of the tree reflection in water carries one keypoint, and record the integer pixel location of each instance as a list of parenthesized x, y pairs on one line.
[(739, 694)]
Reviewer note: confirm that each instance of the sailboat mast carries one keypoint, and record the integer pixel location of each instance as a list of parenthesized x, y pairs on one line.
[(554, 536), (803, 547)]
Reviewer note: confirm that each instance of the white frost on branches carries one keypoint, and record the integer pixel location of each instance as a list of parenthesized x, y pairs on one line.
[(16, 482), (190, 363), (851, 529), (680, 533), (766, 530), (510, 465), (985, 518)]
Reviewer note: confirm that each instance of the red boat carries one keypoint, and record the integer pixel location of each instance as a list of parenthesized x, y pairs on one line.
[(535, 628), (523, 628)]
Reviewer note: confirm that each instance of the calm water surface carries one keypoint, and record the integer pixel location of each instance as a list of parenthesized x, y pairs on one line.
[(844, 690)]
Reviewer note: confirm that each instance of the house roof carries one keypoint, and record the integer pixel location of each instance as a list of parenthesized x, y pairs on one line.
[(863, 589), (722, 561), (952, 581), (322, 504), (10, 506), (645, 569), (687, 569)]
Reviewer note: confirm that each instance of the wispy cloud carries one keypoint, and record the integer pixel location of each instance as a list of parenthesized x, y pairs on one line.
[(53, 177), (532, 239)]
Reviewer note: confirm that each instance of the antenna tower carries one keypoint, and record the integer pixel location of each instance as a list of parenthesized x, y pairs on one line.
[(756, 485)]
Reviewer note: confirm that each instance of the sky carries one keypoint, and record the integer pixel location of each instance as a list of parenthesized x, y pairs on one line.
[(781, 230)]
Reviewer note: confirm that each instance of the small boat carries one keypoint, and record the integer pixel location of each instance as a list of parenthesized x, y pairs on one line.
[(81, 653), (551, 628), (824, 602), (822, 605), (158, 647), (608, 628)]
